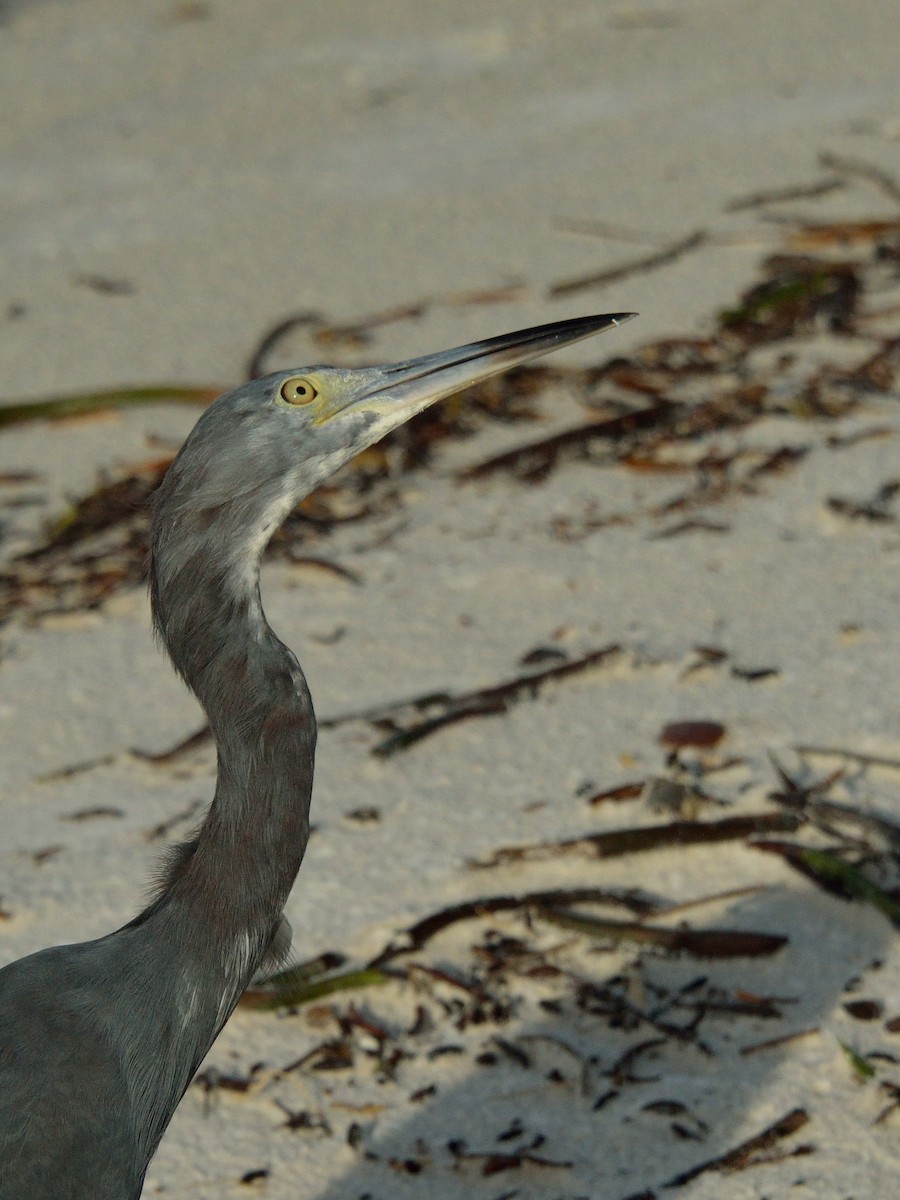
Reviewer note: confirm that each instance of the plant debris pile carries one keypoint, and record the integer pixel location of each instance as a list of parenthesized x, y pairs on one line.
[(649, 412), (552, 990)]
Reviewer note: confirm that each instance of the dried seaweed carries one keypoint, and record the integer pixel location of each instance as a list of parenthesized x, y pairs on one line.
[(875, 509), (799, 292), (418, 935), (531, 462), (701, 943), (663, 1016), (638, 266), (715, 898), (73, 769), (616, 842), (835, 876), (89, 554), (316, 979), (490, 701), (777, 1042), (858, 168), (843, 235), (858, 756), (811, 800), (93, 814), (802, 191), (55, 408), (79, 568), (623, 791), (201, 737), (493, 1163), (353, 334), (755, 1151), (293, 995)]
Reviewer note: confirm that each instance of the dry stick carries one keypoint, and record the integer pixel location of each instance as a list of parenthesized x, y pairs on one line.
[(323, 332), (58, 407), (623, 791), (300, 984), (637, 266), (868, 760), (426, 700), (834, 875), (810, 191), (743, 1156), (812, 801), (256, 362), (326, 564), (762, 1009), (417, 935), (73, 769), (503, 294), (823, 812), (702, 943), (773, 1043), (165, 827), (92, 813), (539, 455), (607, 229), (493, 1162), (620, 1071), (751, 889), (442, 976), (616, 842), (863, 170), (166, 757), (291, 995), (490, 701), (828, 234), (878, 370)]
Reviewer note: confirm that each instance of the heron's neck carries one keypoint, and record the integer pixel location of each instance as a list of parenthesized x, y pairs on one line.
[(221, 900), (226, 889)]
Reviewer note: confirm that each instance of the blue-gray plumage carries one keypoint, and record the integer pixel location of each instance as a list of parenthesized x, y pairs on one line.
[(98, 1041)]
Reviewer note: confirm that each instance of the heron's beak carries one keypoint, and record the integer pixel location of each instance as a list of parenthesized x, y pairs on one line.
[(397, 392)]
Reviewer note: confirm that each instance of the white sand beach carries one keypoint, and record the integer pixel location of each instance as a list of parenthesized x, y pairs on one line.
[(176, 179)]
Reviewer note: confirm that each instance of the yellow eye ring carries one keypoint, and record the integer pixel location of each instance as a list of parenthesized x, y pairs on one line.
[(298, 391)]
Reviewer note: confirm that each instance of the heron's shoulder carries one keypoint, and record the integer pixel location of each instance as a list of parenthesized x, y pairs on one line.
[(56, 984)]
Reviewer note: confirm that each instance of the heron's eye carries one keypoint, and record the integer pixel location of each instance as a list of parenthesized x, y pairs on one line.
[(298, 391)]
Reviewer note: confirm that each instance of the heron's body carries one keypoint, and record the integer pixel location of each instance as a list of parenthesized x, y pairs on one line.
[(98, 1041), (135, 1012)]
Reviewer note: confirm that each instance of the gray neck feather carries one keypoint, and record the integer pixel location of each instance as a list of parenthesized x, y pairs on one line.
[(221, 897)]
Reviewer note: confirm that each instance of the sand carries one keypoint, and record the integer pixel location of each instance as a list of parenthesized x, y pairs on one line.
[(177, 178)]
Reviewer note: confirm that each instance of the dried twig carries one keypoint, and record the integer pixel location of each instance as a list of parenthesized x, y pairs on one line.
[(616, 842), (55, 408), (802, 191), (867, 760), (834, 875), (417, 935), (753, 1152), (775, 1043), (532, 461), (702, 943), (862, 170), (490, 701), (637, 266)]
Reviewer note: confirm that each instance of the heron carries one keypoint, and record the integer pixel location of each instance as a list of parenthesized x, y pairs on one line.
[(99, 1040)]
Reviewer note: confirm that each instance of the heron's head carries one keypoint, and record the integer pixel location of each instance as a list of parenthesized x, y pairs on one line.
[(261, 448)]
